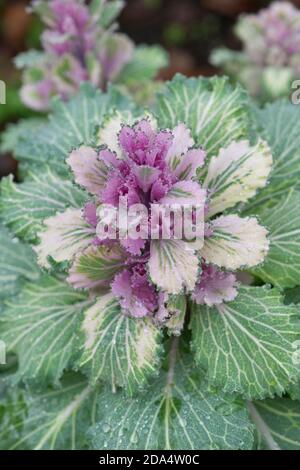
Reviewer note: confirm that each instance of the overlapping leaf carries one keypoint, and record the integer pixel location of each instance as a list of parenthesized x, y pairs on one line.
[(216, 113), (71, 124), (24, 206), (120, 350), (54, 419), (9, 138), (282, 264), (278, 423), (177, 412), (292, 296), (12, 413), (146, 63), (106, 12), (247, 346), (17, 263), (41, 325), (278, 124)]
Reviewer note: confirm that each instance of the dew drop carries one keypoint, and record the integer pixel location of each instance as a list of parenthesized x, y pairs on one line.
[(213, 446), (224, 409), (134, 438), (106, 428)]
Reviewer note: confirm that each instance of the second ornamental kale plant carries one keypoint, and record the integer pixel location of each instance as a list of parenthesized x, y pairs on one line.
[(270, 58), (80, 44)]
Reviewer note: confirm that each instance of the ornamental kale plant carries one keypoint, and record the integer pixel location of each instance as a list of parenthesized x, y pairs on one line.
[(147, 165), (270, 59), (144, 335), (80, 43)]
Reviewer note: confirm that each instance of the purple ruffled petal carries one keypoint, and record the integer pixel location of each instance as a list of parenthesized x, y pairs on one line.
[(119, 185), (137, 296), (90, 214), (215, 287), (109, 158), (143, 146), (134, 247)]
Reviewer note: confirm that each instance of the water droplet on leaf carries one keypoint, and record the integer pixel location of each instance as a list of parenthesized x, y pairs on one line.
[(134, 438)]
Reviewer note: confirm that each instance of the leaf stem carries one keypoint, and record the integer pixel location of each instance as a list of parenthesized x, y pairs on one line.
[(262, 427), (168, 388), (172, 362)]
